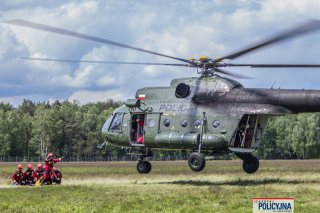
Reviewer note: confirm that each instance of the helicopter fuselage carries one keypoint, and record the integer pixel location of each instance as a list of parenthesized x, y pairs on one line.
[(215, 114)]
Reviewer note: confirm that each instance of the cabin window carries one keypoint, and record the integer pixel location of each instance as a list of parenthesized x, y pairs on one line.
[(151, 123), (166, 122), (184, 123), (215, 123), (197, 123), (116, 122)]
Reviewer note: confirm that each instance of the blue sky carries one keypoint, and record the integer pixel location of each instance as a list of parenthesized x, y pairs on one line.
[(179, 28)]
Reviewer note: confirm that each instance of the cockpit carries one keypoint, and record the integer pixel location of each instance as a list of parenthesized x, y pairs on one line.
[(113, 123), (123, 128)]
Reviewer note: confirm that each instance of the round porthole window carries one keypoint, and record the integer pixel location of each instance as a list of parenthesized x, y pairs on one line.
[(215, 123), (166, 122), (151, 123), (184, 123), (197, 123)]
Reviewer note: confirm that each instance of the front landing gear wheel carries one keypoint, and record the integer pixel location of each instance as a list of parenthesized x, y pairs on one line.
[(196, 161), (251, 165), (144, 167)]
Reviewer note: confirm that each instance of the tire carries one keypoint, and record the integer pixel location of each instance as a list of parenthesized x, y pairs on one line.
[(251, 165), (196, 161), (148, 167), (144, 167)]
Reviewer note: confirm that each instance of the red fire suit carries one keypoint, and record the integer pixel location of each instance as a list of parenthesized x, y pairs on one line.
[(17, 177), (29, 176), (38, 173), (48, 168)]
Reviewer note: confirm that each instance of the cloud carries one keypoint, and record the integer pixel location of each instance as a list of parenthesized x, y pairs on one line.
[(183, 29), (86, 96)]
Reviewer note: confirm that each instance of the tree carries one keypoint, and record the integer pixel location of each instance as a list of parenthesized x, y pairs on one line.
[(5, 137)]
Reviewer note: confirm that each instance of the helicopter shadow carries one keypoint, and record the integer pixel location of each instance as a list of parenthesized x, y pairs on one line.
[(240, 182)]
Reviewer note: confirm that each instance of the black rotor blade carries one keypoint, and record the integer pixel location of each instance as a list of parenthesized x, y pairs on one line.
[(219, 70), (101, 62), (57, 30), (270, 65), (301, 29)]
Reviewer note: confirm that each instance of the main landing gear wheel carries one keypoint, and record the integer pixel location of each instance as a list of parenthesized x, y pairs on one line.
[(196, 161), (251, 165), (144, 167)]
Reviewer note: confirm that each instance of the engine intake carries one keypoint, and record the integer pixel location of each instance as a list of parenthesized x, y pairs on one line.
[(182, 90)]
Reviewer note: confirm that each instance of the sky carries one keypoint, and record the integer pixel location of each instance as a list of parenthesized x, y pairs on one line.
[(185, 29)]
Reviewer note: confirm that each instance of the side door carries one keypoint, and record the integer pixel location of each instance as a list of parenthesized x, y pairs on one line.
[(151, 128)]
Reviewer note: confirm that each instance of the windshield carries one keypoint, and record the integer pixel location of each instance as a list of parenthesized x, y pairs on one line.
[(116, 122), (106, 125)]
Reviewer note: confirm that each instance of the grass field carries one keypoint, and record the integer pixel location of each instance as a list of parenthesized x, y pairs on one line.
[(170, 187)]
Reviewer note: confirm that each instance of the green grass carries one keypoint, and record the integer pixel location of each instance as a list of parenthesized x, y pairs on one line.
[(170, 187)]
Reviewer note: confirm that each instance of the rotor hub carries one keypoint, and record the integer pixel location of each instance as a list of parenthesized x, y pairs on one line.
[(205, 65)]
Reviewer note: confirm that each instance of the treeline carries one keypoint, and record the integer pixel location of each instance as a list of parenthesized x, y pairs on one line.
[(64, 128), (74, 131), (292, 137)]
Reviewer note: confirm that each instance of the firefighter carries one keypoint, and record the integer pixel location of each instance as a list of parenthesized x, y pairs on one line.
[(39, 172), (44, 181), (140, 123), (17, 177), (29, 175), (50, 160)]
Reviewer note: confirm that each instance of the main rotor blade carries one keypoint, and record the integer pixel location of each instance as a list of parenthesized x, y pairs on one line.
[(231, 73), (101, 62), (57, 30), (270, 65), (301, 29)]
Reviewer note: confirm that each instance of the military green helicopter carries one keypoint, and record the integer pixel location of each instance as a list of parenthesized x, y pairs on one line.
[(205, 115)]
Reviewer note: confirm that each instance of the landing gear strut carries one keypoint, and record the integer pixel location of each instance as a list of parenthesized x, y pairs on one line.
[(144, 167), (196, 161), (250, 163)]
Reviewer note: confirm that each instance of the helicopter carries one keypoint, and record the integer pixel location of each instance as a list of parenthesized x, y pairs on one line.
[(205, 115)]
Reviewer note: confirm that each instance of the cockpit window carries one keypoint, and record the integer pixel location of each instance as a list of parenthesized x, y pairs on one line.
[(106, 125), (116, 122)]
